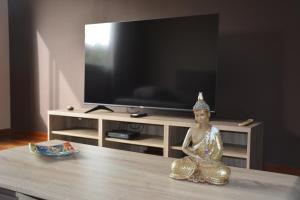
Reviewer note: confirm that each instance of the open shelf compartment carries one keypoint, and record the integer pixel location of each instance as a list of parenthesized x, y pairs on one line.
[(154, 140), (234, 145), (77, 127), (230, 150)]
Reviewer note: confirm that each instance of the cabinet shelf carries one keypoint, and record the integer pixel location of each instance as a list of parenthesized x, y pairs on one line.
[(144, 140), (235, 151), (82, 133), (176, 147)]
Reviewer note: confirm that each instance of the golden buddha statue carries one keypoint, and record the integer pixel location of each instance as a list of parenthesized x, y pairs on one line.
[(204, 147)]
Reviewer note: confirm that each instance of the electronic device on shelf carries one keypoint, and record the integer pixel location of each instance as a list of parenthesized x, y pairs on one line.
[(157, 63), (123, 134)]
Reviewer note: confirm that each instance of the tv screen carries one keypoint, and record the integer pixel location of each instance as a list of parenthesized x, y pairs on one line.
[(158, 63)]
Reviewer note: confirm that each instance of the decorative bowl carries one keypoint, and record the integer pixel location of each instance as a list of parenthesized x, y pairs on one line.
[(64, 149)]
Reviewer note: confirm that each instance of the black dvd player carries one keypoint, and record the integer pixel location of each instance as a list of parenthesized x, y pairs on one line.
[(123, 134)]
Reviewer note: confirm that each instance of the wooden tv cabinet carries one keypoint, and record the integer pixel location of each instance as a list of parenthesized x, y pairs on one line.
[(163, 133)]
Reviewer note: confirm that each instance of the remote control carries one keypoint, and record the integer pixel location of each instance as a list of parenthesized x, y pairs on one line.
[(246, 123), (70, 108), (136, 115)]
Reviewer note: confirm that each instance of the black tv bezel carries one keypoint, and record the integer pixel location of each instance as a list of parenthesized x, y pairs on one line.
[(150, 107)]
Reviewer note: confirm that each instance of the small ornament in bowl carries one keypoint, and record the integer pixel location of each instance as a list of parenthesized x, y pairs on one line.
[(58, 150)]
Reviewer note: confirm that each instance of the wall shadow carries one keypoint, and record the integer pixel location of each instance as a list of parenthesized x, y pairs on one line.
[(21, 64), (250, 84)]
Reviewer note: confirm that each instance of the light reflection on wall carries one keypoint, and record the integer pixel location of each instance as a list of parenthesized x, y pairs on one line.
[(41, 79)]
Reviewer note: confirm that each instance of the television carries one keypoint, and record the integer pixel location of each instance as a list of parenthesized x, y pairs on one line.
[(156, 63)]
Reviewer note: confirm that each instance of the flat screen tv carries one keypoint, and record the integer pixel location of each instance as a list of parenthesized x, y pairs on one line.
[(157, 63)]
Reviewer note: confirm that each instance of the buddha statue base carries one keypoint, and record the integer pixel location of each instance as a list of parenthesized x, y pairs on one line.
[(191, 169)]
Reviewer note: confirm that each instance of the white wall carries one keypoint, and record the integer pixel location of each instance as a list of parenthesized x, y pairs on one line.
[(4, 67)]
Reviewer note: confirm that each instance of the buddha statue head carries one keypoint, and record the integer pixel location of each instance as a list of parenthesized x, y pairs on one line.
[(201, 111)]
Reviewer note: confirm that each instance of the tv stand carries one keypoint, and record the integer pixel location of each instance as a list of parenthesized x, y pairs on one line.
[(160, 135), (99, 107)]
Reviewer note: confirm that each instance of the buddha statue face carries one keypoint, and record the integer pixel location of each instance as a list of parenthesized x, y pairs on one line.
[(202, 116)]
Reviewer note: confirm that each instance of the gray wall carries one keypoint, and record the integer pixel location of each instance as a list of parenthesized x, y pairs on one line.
[(4, 67), (258, 59)]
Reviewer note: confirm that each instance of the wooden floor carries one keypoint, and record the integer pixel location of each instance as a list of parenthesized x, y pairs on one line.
[(9, 141)]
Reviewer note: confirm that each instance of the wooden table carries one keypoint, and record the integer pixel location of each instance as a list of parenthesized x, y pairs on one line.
[(101, 173)]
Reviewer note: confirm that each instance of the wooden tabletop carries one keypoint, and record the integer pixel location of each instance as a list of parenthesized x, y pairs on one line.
[(101, 173)]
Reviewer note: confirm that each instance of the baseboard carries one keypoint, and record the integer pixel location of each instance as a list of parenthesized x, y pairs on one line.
[(281, 169), (30, 134), (5, 132)]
